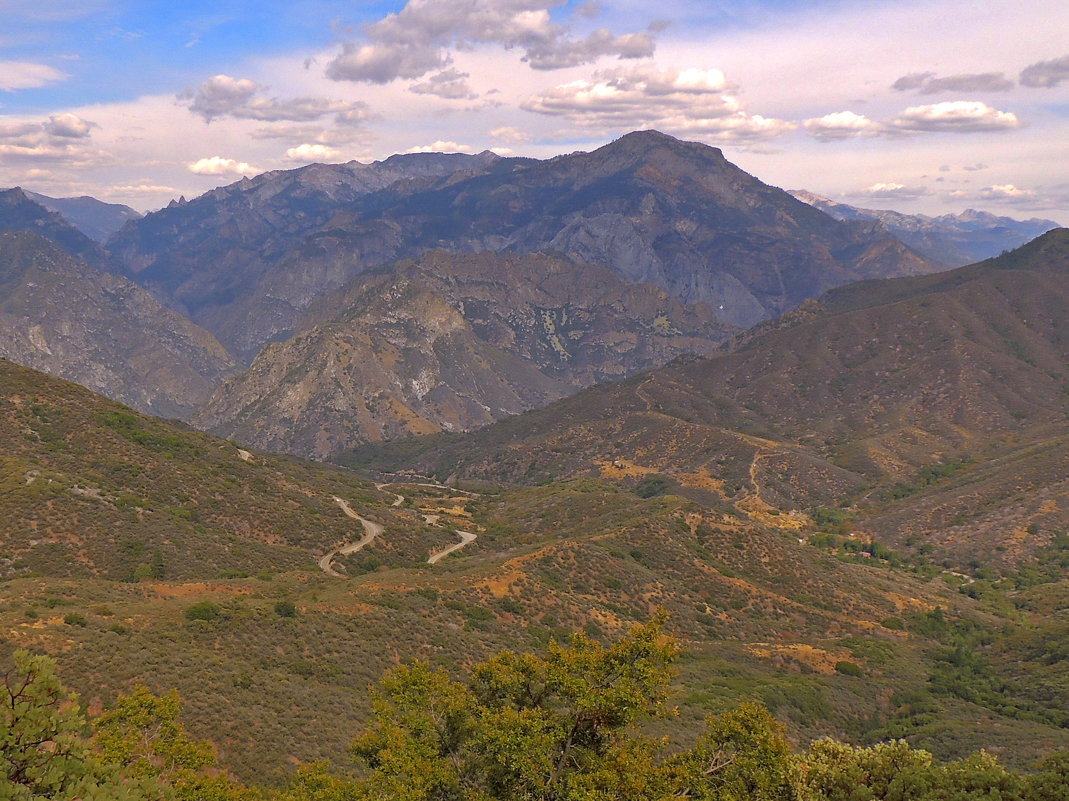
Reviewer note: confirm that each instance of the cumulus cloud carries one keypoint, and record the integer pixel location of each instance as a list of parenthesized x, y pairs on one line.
[(441, 147), (840, 125), (60, 138), (416, 40), (68, 155), (1005, 191), (961, 116), (514, 136), (241, 98), (891, 190), (1046, 74), (217, 165), (15, 75), (450, 84), (68, 126), (140, 189), (309, 153), (928, 83), (687, 102)]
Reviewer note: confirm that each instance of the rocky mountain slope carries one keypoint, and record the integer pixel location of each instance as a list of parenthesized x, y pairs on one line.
[(63, 317), (451, 342), (234, 258), (951, 239), (848, 399), (94, 218), (650, 207)]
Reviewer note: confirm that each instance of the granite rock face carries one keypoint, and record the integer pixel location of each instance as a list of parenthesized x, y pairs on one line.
[(449, 343)]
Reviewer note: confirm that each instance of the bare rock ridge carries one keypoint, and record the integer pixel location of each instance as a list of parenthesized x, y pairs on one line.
[(62, 317), (247, 260), (951, 239), (451, 342)]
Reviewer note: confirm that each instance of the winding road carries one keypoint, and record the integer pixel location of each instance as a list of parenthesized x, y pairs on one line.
[(371, 530), (465, 538)]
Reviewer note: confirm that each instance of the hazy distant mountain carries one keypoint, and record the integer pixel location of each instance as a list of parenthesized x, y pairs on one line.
[(951, 239), (246, 260), (94, 218), (451, 342), (60, 316), (20, 212)]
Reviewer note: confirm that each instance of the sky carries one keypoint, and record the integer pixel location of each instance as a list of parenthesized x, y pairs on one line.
[(924, 106)]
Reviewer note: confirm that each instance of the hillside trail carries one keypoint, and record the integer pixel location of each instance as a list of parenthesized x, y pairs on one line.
[(398, 499), (371, 531), (466, 537)]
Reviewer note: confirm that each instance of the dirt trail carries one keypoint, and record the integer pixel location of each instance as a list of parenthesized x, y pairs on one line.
[(371, 530), (398, 499), (465, 538)]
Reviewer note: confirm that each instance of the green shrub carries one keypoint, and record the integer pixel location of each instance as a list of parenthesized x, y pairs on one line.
[(848, 668), (75, 619), (286, 609), (205, 610)]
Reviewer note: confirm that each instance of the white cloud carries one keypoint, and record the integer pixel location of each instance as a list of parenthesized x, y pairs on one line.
[(16, 75), (311, 153), (139, 189), (450, 84), (840, 125), (689, 102), (956, 116), (441, 147), (241, 98), (514, 136), (890, 190), (68, 126), (217, 165), (417, 39), (1000, 191)]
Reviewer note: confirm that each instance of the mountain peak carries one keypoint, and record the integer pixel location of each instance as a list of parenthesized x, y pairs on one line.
[(642, 143)]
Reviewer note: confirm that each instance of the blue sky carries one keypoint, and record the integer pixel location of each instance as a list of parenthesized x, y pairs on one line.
[(927, 106)]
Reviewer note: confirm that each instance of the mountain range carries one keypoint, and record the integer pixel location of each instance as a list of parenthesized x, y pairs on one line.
[(94, 218), (951, 239), (649, 207), (854, 510)]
